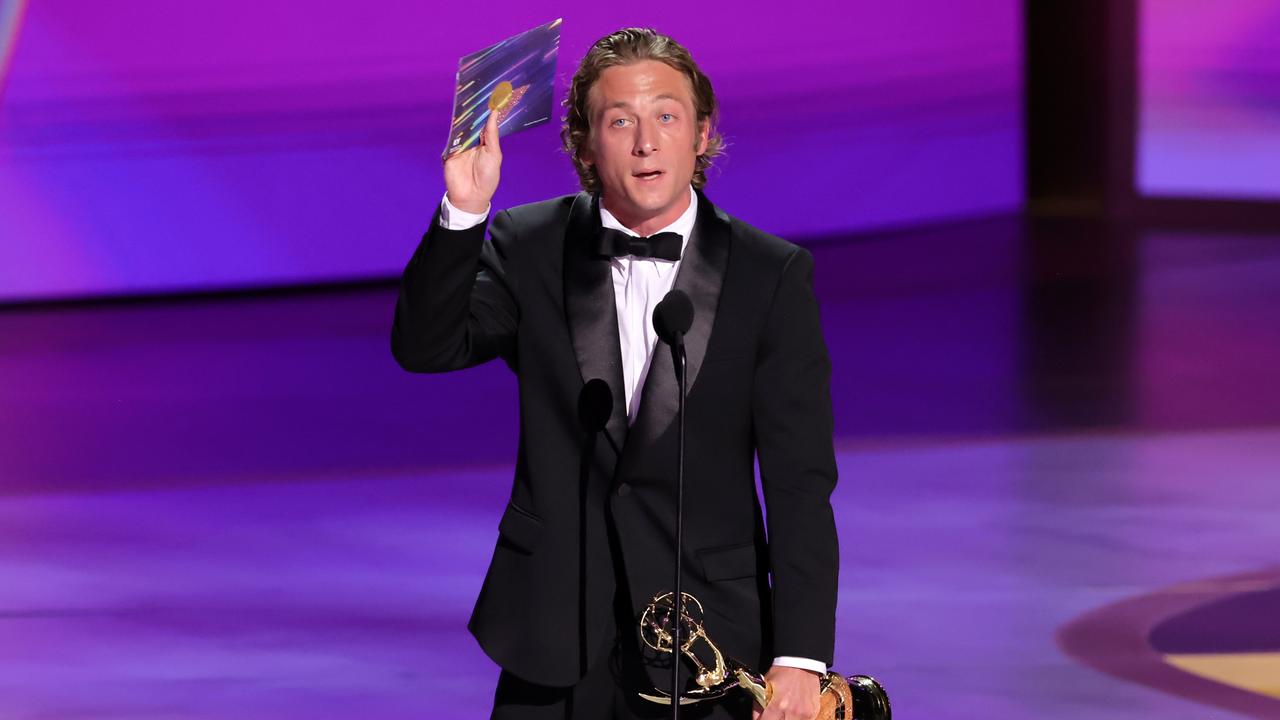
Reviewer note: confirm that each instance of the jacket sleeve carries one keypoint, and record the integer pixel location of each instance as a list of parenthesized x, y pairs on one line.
[(457, 306), (793, 426)]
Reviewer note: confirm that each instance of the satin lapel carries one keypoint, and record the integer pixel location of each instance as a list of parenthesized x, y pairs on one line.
[(590, 309), (701, 275)]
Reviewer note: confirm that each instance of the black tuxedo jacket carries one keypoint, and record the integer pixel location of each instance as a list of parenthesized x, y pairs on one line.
[(758, 382)]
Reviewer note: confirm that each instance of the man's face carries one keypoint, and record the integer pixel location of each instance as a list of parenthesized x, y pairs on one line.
[(645, 140)]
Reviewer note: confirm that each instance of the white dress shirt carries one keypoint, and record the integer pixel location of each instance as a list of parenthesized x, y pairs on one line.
[(639, 284)]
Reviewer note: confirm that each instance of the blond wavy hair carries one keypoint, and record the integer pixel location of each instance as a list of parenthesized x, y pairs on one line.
[(624, 47)]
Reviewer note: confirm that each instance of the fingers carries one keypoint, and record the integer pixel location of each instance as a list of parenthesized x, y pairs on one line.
[(781, 711), (779, 715), (457, 157)]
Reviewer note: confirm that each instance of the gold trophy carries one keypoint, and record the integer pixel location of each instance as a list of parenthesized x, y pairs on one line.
[(857, 697)]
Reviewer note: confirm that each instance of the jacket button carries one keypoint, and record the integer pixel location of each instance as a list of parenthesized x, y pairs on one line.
[(623, 489)]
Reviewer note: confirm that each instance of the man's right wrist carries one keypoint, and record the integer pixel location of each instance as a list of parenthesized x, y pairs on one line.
[(453, 217)]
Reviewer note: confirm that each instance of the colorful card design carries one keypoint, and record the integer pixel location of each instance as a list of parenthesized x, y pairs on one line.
[(514, 79)]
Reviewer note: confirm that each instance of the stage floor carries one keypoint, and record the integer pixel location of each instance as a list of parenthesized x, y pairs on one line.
[(242, 508)]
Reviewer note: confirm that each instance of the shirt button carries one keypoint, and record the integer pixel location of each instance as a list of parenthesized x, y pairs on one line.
[(623, 489)]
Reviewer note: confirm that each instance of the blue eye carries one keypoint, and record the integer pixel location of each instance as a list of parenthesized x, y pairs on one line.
[(667, 117), (619, 122)]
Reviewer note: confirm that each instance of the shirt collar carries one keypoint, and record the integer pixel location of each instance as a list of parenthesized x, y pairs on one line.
[(683, 225)]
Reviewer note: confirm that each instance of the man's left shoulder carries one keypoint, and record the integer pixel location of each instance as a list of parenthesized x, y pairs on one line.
[(760, 246)]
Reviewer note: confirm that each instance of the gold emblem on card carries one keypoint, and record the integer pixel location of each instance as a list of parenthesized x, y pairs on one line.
[(504, 98), (501, 95)]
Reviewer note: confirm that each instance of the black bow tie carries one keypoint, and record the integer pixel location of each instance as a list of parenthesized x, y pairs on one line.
[(662, 246)]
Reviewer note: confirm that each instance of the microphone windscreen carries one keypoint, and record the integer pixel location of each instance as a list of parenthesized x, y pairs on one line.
[(673, 317), (595, 405)]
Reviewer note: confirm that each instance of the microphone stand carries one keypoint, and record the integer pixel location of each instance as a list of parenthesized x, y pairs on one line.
[(672, 318), (678, 357)]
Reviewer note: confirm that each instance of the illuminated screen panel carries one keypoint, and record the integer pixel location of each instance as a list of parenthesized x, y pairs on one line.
[(151, 145), (1209, 115)]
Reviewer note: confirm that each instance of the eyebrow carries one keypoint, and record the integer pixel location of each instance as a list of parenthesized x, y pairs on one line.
[(627, 106)]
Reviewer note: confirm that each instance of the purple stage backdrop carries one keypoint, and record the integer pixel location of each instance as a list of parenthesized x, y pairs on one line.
[(150, 145), (1210, 98)]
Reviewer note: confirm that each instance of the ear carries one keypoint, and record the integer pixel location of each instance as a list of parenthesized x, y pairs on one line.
[(704, 135)]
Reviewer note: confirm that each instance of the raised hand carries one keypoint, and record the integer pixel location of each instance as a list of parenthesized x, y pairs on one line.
[(471, 176)]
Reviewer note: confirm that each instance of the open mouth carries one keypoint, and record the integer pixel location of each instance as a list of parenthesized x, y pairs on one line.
[(652, 175)]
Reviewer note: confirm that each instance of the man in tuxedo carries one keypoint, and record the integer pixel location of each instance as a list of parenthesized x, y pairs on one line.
[(563, 291)]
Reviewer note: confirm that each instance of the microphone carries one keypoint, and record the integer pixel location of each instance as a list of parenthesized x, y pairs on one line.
[(595, 407), (672, 318)]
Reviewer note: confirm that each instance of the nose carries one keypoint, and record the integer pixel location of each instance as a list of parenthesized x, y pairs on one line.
[(646, 141)]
